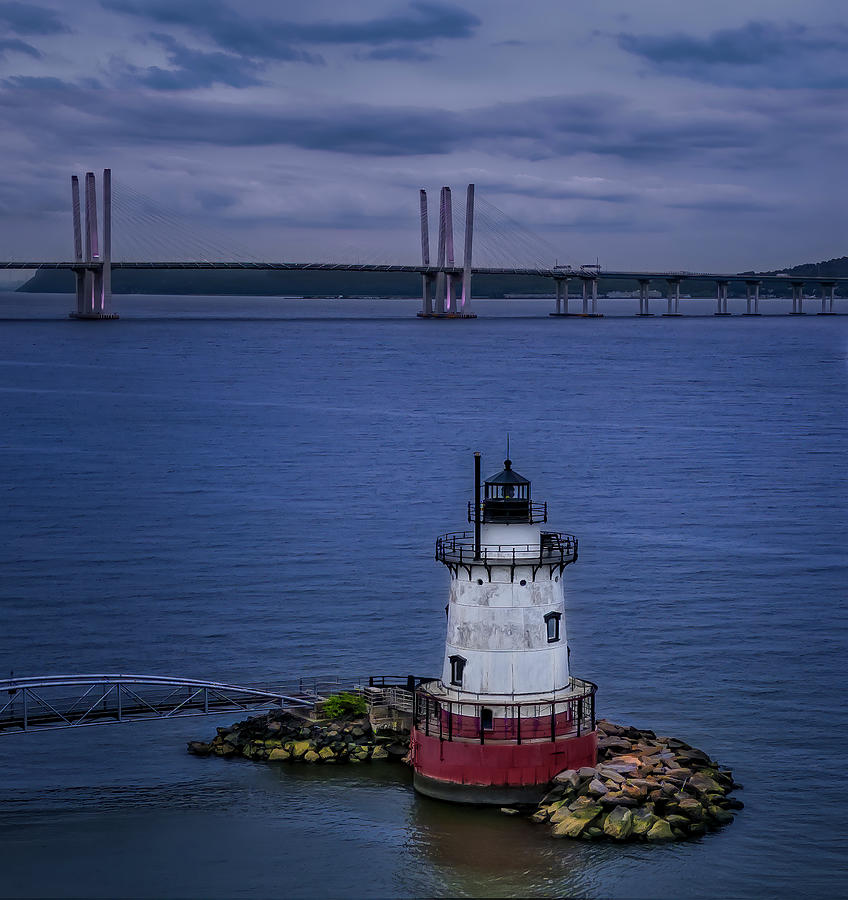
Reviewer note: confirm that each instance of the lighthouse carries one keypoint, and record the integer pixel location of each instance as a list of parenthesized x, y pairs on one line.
[(507, 714)]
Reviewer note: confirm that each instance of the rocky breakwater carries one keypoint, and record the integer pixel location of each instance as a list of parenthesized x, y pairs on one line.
[(644, 788), (282, 736)]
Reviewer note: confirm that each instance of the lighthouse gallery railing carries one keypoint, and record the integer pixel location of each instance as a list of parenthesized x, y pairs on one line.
[(567, 716), (553, 547)]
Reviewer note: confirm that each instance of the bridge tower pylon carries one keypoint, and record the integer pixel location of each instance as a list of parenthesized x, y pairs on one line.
[(93, 272), (446, 292)]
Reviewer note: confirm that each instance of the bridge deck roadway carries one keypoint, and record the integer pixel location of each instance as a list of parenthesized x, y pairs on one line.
[(432, 270)]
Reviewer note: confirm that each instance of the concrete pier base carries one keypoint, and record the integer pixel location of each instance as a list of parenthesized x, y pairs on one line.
[(477, 794), (446, 315), (92, 315)]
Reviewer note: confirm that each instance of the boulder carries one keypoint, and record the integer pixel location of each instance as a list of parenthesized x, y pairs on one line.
[(619, 823), (703, 784), (634, 791), (642, 820), (660, 831), (697, 828), (299, 749), (596, 788), (199, 748), (586, 772), (278, 753), (611, 774), (325, 753), (608, 728), (509, 811), (569, 776), (613, 743), (681, 823), (574, 824), (582, 803), (540, 816), (558, 815), (310, 756), (691, 808), (618, 798), (722, 816), (379, 753), (553, 795)]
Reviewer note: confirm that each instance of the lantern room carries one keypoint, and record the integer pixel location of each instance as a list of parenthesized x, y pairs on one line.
[(507, 497)]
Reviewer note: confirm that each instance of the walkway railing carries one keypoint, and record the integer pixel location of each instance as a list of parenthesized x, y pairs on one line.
[(553, 548), (570, 714)]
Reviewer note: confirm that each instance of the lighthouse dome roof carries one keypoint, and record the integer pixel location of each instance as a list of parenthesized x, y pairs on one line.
[(507, 476)]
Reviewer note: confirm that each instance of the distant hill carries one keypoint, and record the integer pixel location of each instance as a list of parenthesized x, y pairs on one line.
[(363, 284)]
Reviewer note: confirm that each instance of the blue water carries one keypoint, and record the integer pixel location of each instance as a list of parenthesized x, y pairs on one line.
[(249, 489)]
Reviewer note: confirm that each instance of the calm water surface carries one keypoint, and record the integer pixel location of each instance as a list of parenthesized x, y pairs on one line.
[(249, 489)]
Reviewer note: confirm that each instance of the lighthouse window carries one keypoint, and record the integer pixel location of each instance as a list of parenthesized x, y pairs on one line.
[(457, 668), (486, 719), (552, 625)]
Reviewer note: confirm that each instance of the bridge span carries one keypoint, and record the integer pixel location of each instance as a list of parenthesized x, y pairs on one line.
[(47, 702), (446, 285), (72, 701)]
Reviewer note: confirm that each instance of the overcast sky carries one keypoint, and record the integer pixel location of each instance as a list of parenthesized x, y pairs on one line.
[(688, 136)]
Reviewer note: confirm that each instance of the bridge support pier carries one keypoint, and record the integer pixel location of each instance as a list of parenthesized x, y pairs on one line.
[(590, 290), (827, 291), (673, 307), (93, 273), (721, 299), (752, 298), (797, 299), (561, 295), (643, 297)]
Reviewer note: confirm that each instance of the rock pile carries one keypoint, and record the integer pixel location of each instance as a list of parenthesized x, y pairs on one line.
[(644, 788), (283, 736)]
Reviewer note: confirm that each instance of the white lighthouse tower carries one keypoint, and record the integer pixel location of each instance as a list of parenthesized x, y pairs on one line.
[(507, 714)]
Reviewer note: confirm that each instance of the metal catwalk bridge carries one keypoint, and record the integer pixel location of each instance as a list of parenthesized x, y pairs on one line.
[(446, 285), (72, 701)]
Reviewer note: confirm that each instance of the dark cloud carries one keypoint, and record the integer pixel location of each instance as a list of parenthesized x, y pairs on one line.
[(758, 54), (401, 54), (24, 18), (423, 22), (602, 126), (13, 45), (194, 69)]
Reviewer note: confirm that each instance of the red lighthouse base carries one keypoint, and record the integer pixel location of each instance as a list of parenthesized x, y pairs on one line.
[(496, 772)]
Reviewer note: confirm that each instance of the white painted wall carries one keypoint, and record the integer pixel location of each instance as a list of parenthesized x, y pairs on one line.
[(499, 628)]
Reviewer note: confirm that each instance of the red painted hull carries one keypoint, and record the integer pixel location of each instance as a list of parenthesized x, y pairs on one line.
[(446, 765)]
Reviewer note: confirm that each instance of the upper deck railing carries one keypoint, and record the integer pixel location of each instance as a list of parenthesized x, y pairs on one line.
[(531, 512), (554, 548)]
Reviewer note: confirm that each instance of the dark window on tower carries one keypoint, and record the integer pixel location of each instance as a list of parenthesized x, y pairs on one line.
[(457, 668), (486, 719), (552, 625)]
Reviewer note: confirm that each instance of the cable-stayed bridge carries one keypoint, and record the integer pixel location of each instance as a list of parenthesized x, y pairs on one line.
[(446, 281)]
